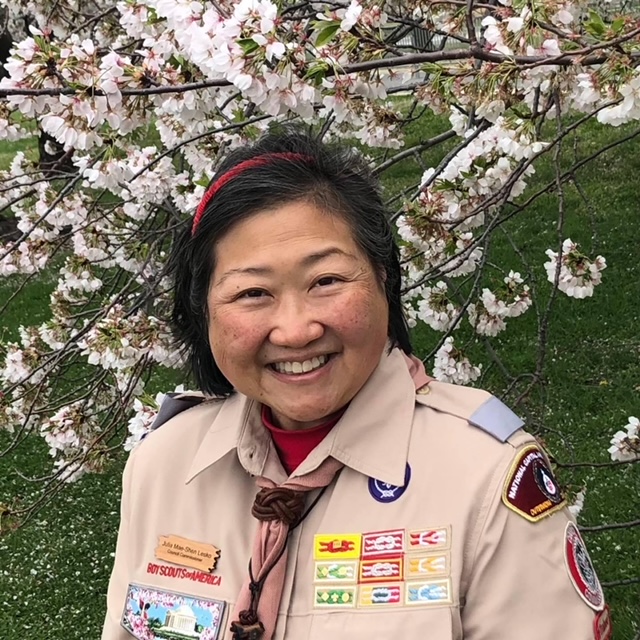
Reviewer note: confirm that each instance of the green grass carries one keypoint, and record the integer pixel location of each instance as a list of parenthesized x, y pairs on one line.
[(53, 573), (8, 151)]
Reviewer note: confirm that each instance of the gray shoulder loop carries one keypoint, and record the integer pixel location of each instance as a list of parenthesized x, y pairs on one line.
[(494, 417), (173, 404)]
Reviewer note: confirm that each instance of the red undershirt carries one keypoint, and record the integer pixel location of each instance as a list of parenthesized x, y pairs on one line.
[(294, 446)]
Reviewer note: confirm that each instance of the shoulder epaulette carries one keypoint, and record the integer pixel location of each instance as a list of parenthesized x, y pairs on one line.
[(494, 417), (175, 403), (477, 407)]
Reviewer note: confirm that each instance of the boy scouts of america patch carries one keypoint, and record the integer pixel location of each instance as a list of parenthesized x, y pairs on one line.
[(580, 569), (530, 488)]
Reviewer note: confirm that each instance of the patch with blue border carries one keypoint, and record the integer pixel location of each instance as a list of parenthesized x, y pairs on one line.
[(152, 613)]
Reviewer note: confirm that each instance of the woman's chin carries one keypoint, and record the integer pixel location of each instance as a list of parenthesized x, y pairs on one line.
[(297, 420)]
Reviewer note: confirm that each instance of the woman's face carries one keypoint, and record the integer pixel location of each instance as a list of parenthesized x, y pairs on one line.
[(297, 315)]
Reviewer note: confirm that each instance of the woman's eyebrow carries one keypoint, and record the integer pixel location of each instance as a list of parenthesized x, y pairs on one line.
[(308, 261), (313, 258)]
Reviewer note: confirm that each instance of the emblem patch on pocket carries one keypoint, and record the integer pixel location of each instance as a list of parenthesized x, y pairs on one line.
[(151, 613)]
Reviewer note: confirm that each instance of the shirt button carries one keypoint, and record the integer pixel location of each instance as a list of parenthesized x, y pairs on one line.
[(424, 390)]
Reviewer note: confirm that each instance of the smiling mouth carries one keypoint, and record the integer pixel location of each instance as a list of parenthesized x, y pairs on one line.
[(297, 367)]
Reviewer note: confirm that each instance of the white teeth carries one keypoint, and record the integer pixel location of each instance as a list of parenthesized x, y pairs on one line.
[(300, 367)]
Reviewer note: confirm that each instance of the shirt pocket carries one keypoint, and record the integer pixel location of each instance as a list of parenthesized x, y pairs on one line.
[(434, 623)]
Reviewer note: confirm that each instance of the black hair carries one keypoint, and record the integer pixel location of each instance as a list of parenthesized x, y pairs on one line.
[(336, 178)]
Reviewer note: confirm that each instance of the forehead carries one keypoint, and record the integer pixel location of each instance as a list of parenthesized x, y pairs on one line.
[(283, 234)]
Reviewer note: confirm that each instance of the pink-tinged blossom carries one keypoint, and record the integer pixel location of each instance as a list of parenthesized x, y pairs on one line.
[(436, 309), (145, 413), (578, 274), (350, 15), (451, 365), (625, 445)]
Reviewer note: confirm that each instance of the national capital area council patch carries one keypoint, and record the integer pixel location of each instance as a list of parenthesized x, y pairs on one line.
[(152, 613), (530, 488), (581, 571)]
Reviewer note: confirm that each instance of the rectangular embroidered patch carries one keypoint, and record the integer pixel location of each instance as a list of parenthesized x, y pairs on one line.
[(381, 570), (427, 565), (150, 613), (343, 546), (429, 539), (382, 543), (340, 571), (336, 596), (428, 592), (380, 595)]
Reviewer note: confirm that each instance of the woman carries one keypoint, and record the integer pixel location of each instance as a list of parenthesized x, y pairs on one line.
[(324, 487)]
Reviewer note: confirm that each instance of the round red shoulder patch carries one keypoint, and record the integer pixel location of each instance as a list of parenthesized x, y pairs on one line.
[(581, 570)]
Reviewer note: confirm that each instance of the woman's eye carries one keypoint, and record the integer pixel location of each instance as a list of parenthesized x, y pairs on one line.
[(252, 293), (327, 280)]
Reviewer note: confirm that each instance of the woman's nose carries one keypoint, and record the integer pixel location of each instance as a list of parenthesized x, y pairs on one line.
[(295, 325)]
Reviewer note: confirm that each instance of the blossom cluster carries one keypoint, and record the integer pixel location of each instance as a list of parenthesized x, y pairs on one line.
[(452, 365), (146, 409), (625, 445), (436, 309), (576, 273), (463, 194), (120, 341), (489, 315)]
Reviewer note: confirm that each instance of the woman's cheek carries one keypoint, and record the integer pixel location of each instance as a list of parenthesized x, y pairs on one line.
[(239, 334), (359, 312)]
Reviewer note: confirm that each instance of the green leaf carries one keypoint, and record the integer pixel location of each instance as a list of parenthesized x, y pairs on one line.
[(248, 45), (327, 33), (316, 71), (595, 25), (617, 25)]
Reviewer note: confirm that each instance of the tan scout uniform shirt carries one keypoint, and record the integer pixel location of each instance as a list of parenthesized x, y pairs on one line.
[(478, 570)]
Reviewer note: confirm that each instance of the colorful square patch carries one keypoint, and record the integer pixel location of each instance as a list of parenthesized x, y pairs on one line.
[(382, 543), (427, 565), (339, 571), (428, 592), (151, 613), (343, 546), (429, 539), (381, 570), (380, 595), (335, 596)]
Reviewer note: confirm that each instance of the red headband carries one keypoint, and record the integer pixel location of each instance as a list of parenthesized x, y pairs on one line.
[(241, 167)]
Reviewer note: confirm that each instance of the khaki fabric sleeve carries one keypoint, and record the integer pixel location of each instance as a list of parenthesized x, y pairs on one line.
[(119, 580), (518, 585)]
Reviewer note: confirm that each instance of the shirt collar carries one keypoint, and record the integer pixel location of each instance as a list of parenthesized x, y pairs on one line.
[(372, 436)]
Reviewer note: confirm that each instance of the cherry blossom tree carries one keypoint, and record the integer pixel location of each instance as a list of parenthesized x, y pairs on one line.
[(137, 100)]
